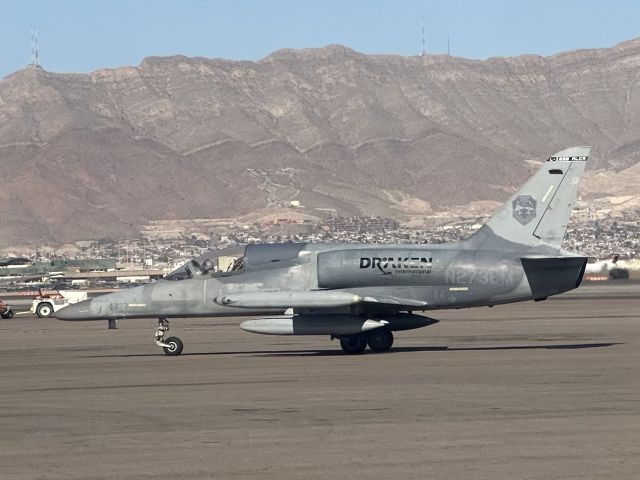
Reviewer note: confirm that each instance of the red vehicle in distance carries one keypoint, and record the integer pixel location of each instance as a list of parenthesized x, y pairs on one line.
[(5, 310)]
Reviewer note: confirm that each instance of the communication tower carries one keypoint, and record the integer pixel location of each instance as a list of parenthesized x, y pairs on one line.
[(35, 56), (424, 41)]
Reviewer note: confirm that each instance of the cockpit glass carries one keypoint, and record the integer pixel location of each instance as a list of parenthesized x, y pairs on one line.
[(226, 261), (180, 274)]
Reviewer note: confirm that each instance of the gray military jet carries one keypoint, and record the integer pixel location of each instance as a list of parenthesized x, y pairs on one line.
[(361, 294)]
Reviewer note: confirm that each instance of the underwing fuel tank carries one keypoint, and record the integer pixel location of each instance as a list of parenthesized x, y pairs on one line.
[(332, 324)]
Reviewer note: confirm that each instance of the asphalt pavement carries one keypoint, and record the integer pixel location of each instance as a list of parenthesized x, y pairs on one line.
[(525, 391)]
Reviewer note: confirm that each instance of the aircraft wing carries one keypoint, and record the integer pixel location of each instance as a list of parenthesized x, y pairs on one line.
[(311, 299), (396, 301)]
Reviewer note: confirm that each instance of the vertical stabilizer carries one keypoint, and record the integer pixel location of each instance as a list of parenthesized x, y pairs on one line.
[(540, 210)]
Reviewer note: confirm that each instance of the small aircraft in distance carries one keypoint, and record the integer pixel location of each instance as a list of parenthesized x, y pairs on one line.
[(362, 293)]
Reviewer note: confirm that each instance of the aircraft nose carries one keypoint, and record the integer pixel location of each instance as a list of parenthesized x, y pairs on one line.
[(77, 311)]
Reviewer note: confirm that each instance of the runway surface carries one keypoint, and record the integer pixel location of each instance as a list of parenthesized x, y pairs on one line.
[(527, 391)]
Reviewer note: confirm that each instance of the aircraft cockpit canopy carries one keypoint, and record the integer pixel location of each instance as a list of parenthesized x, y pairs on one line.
[(233, 260), (211, 263)]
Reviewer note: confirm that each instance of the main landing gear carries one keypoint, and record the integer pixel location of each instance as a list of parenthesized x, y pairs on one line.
[(379, 340), (172, 346)]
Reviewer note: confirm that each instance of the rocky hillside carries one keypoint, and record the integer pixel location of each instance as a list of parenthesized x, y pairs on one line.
[(99, 155)]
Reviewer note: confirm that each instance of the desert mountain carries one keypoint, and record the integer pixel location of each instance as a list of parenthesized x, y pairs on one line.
[(101, 154)]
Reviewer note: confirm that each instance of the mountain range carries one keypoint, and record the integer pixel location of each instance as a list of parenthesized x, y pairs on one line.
[(99, 155)]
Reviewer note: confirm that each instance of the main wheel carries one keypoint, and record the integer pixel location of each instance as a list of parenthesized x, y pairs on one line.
[(353, 344), (380, 340), (174, 348), (44, 310)]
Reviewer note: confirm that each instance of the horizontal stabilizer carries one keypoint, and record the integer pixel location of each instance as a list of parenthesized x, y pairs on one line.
[(552, 275)]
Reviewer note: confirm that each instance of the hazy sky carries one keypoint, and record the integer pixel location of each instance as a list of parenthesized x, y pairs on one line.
[(84, 35)]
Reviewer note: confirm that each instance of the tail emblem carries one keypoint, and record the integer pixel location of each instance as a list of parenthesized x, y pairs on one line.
[(524, 208)]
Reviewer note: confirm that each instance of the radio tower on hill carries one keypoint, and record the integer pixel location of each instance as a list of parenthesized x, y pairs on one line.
[(35, 56), (424, 41)]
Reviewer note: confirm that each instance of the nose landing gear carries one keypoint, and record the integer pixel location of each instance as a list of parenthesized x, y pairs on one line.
[(172, 346)]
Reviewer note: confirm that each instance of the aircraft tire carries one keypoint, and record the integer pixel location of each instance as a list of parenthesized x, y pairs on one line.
[(175, 347), (44, 310), (380, 340), (8, 314), (353, 344)]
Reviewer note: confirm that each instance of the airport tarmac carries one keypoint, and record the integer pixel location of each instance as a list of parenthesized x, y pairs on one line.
[(525, 391)]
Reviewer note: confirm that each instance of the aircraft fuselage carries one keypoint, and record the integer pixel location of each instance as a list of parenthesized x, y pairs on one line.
[(440, 276)]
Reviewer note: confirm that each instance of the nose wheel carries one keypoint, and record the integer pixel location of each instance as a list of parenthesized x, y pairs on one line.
[(172, 346)]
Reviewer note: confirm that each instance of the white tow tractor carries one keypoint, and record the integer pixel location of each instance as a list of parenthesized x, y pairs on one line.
[(46, 304)]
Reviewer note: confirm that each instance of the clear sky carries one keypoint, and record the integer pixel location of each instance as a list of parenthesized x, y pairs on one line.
[(84, 35)]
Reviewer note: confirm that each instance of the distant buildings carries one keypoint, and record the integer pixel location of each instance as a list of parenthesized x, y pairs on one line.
[(112, 262)]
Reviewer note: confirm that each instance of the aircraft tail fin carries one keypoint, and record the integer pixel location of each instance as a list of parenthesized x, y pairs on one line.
[(540, 210)]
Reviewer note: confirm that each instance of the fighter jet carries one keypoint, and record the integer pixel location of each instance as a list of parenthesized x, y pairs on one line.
[(362, 293)]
